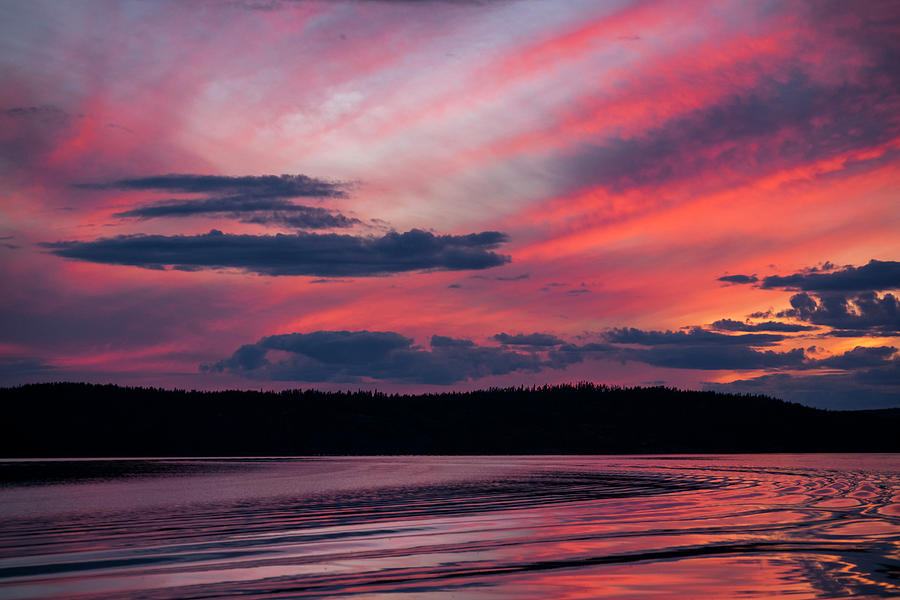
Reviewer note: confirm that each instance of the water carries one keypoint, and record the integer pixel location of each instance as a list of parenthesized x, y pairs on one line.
[(804, 526)]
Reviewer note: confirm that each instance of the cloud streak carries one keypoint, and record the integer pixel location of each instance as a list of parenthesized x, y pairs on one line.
[(739, 279), (876, 275), (875, 387), (254, 186), (692, 337), (533, 339), (731, 325), (264, 210), (743, 134), (323, 255)]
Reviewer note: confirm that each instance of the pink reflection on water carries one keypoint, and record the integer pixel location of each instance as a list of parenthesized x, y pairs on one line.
[(472, 527), (711, 577)]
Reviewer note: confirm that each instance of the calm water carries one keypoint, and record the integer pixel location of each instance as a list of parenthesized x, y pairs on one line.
[(803, 526)]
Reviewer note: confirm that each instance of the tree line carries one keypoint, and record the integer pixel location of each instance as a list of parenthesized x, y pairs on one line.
[(85, 420)]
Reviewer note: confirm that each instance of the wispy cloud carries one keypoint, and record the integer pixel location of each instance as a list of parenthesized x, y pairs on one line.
[(323, 255), (265, 210)]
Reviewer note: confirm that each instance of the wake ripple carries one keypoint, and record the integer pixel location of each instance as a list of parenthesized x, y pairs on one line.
[(572, 527)]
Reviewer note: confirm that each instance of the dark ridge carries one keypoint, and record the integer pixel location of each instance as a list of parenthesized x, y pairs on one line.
[(86, 420)]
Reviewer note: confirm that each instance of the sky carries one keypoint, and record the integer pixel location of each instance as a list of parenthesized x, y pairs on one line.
[(450, 195)]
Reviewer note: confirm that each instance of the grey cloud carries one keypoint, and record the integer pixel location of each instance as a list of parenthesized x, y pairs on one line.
[(715, 357), (43, 111), (532, 339), (324, 255), (867, 389), (264, 210), (866, 313), (889, 375), (875, 276), (514, 278), (858, 358), (502, 277), (570, 354), (695, 336), (791, 118), (254, 186), (444, 341), (349, 356), (790, 122), (52, 323), (698, 348), (695, 350), (731, 325), (18, 370), (28, 134), (739, 278), (763, 314), (554, 284)]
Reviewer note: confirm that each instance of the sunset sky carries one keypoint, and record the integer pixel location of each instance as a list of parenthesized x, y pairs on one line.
[(433, 195)]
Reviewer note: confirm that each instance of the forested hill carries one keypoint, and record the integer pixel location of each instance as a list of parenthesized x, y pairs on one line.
[(73, 419)]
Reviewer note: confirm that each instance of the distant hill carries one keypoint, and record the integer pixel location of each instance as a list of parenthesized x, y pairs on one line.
[(84, 420)]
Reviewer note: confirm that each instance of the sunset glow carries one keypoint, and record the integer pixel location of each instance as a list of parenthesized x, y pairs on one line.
[(275, 194)]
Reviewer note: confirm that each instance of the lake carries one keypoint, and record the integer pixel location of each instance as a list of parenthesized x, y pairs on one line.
[(573, 527)]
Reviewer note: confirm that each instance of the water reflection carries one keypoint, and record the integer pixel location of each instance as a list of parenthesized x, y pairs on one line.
[(809, 526)]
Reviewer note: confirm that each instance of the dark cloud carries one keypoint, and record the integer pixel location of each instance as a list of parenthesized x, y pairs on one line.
[(731, 325), (866, 389), (324, 255), (697, 349), (252, 186), (92, 320), (19, 370), (739, 278), (875, 276), (888, 375), (792, 117), (502, 277), (694, 349), (780, 123), (859, 357), (262, 199), (570, 354), (763, 314), (443, 341), (532, 339), (865, 313), (27, 135), (513, 278), (714, 357), (350, 356), (701, 349), (695, 336), (264, 210), (44, 112)]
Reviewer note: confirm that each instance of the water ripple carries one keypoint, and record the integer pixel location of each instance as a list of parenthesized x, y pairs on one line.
[(813, 526)]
